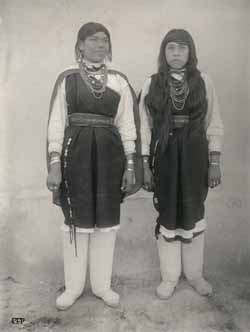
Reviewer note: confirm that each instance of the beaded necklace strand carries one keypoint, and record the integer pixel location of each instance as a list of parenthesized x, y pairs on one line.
[(95, 78), (179, 89)]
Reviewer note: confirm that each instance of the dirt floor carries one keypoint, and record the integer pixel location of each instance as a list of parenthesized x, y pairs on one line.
[(228, 310)]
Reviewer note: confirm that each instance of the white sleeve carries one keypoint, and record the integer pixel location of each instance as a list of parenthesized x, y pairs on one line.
[(145, 118), (124, 120), (57, 120), (213, 122)]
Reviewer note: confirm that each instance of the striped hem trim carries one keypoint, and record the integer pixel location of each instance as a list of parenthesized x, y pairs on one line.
[(200, 226), (66, 228)]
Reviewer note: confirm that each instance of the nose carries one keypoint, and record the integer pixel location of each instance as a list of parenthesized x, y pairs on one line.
[(101, 44), (176, 51)]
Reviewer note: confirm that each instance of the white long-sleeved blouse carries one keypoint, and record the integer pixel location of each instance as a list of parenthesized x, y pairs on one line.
[(213, 122), (124, 119)]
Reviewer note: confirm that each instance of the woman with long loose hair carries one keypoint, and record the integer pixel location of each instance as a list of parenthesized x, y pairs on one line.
[(181, 132)]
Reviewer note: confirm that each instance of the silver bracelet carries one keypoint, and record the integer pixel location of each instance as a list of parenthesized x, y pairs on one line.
[(215, 163), (54, 160)]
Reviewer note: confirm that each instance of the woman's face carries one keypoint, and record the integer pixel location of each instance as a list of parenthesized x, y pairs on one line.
[(177, 54), (95, 48)]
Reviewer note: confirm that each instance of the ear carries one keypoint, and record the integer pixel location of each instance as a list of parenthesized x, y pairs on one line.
[(109, 57), (81, 45)]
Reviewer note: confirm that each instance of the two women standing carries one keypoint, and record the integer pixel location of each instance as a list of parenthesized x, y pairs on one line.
[(91, 143)]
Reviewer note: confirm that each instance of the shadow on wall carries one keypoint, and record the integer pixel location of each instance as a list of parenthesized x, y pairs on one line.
[(31, 240)]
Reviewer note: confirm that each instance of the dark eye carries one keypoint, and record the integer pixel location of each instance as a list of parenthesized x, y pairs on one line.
[(183, 46), (106, 40)]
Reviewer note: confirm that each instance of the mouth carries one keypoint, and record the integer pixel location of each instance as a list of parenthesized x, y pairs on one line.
[(176, 61), (101, 52)]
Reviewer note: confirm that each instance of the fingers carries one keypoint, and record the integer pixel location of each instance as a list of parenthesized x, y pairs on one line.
[(214, 183), (128, 181), (53, 187), (134, 179), (147, 186), (128, 186), (124, 184), (152, 183)]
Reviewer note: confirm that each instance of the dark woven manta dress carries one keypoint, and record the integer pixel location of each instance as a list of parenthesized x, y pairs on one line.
[(93, 158), (181, 166)]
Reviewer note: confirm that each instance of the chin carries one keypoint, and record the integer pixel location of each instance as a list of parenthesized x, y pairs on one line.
[(97, 60), (176, 66)]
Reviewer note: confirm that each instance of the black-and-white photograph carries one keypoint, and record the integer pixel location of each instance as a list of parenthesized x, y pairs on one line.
[(124, 173)]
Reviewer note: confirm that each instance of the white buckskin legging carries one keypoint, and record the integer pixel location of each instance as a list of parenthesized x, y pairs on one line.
[(98, 247)]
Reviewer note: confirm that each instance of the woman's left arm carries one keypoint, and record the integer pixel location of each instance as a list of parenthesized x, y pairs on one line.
[(215, 133), (125, 123)]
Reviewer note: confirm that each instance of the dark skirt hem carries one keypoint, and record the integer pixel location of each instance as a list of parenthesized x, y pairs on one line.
[(180, 238)]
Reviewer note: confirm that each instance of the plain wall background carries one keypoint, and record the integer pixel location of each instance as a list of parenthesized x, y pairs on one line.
[(37, 42)]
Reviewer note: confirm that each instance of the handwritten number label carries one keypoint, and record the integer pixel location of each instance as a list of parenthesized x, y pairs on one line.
[(17, 320)]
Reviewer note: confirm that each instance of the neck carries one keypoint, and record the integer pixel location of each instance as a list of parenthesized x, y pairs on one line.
[(181, 70), (94, 64), (178, 75)]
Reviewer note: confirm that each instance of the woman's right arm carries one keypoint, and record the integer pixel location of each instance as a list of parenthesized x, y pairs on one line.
[(146, 126), (57, 121), (56, 127), (145, 119)]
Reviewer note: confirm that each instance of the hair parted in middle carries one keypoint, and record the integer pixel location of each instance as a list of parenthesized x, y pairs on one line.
[(182, 36), (88, 30)]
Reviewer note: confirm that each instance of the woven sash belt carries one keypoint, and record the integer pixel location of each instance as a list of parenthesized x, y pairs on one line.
[(180, 121), (90, 120)]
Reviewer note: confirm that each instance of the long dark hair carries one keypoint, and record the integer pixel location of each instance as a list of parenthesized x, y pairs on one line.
[(158, 99)]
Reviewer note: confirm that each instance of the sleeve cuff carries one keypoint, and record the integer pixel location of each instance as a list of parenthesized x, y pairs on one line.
[(145, 149), (129, 147), (215, 143), (55, 147)]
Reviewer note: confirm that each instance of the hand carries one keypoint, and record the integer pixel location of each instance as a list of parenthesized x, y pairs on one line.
[(214, 176), (128, 180), (148, 179), (54, 177)]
